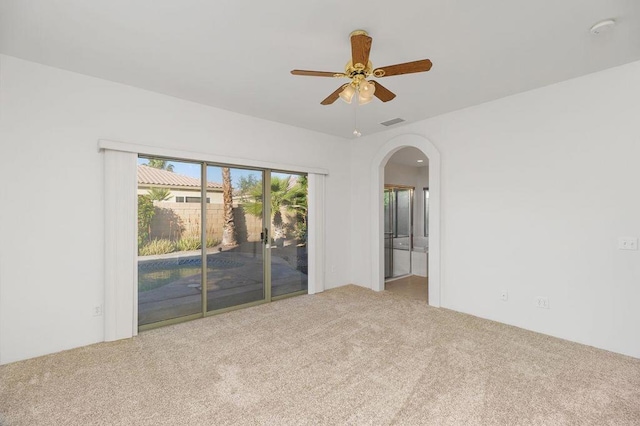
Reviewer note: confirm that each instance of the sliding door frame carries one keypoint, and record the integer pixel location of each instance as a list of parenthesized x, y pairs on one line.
[(265, 243)]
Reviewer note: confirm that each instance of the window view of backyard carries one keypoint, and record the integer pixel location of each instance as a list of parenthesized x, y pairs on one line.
[(174, 230)]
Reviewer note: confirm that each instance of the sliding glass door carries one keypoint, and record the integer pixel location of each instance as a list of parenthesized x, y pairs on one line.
[(169, 240), (238, 240), (235, 266), (288, 245)]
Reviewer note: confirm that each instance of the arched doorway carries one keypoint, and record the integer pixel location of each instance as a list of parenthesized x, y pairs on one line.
[(377, 217)]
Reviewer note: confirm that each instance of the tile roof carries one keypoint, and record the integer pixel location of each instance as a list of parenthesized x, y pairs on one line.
[(152, 176)]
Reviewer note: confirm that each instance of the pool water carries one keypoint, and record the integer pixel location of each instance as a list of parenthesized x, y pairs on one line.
[(157, 273)]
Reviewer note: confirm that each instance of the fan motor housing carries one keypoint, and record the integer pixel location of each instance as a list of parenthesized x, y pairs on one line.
[(352, 71)]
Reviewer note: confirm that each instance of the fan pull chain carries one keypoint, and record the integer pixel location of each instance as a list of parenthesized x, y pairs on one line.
[(356, 133)]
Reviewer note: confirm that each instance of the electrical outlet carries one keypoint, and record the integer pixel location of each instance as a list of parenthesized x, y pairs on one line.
[(97, 310), (627, 243), (504, 296), (542, 302)]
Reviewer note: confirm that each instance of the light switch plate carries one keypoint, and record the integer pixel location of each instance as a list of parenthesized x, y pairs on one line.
[(627, 243)]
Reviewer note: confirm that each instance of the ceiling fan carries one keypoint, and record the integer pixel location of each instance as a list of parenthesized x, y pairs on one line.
[(359, 68)]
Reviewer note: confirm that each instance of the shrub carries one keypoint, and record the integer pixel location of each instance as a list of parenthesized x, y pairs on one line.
[(155, 247), (300, 232), (145, 214), (212, 242), (188, 243)]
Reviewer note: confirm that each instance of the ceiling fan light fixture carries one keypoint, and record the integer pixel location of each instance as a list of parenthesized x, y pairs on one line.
[(367, 89), (365, 92), (363, 100), (347, 93)]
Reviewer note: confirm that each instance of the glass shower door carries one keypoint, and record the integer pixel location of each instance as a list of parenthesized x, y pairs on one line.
[(388, 232), (398, 231), (403, 232)]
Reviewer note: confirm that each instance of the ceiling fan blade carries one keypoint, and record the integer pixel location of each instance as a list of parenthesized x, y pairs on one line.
[(360, 49), (406, 68), (317, 73), (382, 93), (332, 97)]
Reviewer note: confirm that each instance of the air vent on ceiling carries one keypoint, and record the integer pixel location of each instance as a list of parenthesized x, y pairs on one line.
[(392, 122)]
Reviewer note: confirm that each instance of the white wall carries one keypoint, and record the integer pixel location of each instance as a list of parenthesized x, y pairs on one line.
[(51, 245), (399, 174), (536, 189)]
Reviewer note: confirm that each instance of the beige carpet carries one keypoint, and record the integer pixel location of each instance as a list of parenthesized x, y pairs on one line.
[(346, 356)]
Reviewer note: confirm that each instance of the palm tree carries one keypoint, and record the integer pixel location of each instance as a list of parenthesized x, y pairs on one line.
[(229, 226), (159, 194), (300, 198), (158, 163), (285, 197)]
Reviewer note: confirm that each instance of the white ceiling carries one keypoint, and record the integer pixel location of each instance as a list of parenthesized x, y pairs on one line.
[(409, 156), (237, 55)]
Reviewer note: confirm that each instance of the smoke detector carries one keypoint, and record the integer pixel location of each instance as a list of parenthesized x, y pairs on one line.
[(603, 26)]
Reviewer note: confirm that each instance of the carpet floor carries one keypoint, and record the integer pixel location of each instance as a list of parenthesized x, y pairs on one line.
[(345, 356)]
